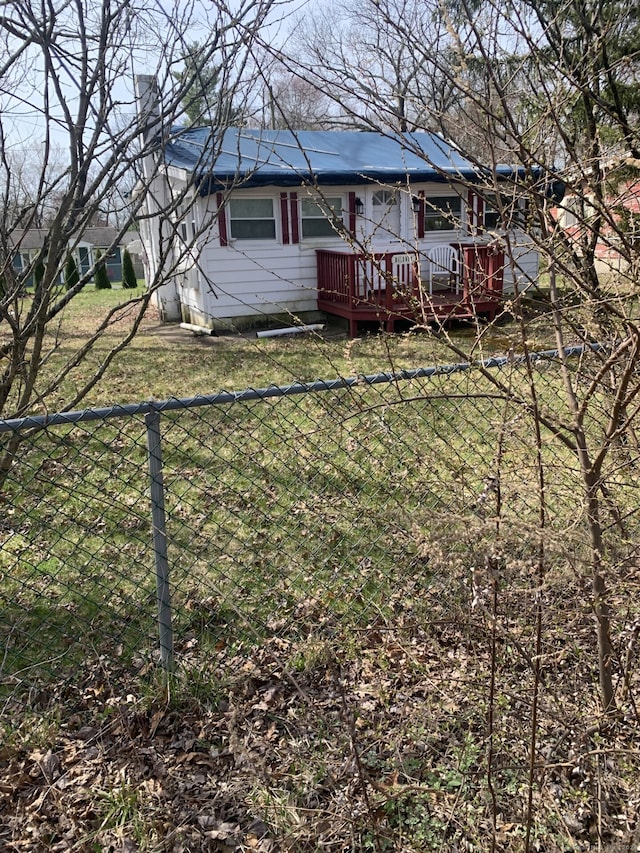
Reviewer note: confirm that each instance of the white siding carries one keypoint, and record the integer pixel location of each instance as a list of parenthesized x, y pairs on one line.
[(256, 279), (259, 278), (521, 262)]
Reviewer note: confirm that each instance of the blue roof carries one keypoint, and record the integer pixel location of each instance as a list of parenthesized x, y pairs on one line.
[(283, 158)]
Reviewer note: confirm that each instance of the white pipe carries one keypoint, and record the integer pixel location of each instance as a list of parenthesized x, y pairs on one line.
[(290, 330), (199, 330)]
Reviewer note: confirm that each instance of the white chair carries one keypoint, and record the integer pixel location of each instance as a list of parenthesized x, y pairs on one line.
[(443, 263)]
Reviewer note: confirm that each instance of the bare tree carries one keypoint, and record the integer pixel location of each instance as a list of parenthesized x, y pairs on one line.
[(67, 81), (553, 90), (291, 102), (26, 204), (357, 53)]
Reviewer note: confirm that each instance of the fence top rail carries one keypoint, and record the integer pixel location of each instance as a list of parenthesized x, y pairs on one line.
[(30, 422)]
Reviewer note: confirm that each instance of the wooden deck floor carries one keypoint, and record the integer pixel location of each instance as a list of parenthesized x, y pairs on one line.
[(385, 287), (437, 308)]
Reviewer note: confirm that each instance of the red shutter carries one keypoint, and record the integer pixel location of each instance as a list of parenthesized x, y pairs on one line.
[(284, 217), (222, 220), (352, 214), (420, 222), (293, 203)]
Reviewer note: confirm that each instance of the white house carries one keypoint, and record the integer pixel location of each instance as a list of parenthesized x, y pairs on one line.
[(282, 226)]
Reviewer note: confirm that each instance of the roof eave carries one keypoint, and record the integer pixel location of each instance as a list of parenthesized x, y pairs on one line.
[(220, 181)]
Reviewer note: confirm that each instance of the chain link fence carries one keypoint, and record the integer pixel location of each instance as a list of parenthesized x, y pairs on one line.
[(374, 581)]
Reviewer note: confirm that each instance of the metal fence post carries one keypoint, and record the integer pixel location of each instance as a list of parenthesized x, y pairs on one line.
[(154, 447)]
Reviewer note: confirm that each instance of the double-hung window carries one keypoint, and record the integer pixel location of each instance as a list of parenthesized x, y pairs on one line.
[(442, 213), (321, 217), (252, 219), (186, 228), (504, 212), (494, 211)]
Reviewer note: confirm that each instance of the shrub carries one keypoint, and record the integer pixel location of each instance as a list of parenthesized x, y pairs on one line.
[(100, 276), (71, 274), (129, 280), (38, 273)]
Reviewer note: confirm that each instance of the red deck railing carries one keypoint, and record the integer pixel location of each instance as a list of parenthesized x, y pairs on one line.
[(386, 286)]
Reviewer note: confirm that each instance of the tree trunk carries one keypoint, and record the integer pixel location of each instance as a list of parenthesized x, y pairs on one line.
[(601, 607)]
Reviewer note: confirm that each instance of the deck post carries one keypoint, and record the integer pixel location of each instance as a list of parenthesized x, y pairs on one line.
[(351, 285)]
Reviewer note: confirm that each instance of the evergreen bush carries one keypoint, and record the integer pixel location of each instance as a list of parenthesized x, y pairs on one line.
[(71, 274), (100, 277), (129, 280), (38, 273)]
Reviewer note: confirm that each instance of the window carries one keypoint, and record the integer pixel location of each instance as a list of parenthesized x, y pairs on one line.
[(384, 198), (252, 219), (510, 212), (25, 264), (492, 214), (569, 212), (186, 223), (321, 218), (20, 262), (442, 213), (580, 210)]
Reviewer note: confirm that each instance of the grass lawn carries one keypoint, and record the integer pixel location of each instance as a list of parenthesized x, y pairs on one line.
[(166, 362), (373, 651)]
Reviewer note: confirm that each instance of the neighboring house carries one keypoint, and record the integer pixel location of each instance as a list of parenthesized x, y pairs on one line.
[(577, 213), (283, 225), (619, 226), (93, 241)]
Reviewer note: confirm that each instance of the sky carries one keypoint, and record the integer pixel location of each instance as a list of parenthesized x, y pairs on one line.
[(149, 41)]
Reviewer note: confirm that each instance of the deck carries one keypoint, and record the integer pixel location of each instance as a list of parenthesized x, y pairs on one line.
[(385, 287)]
